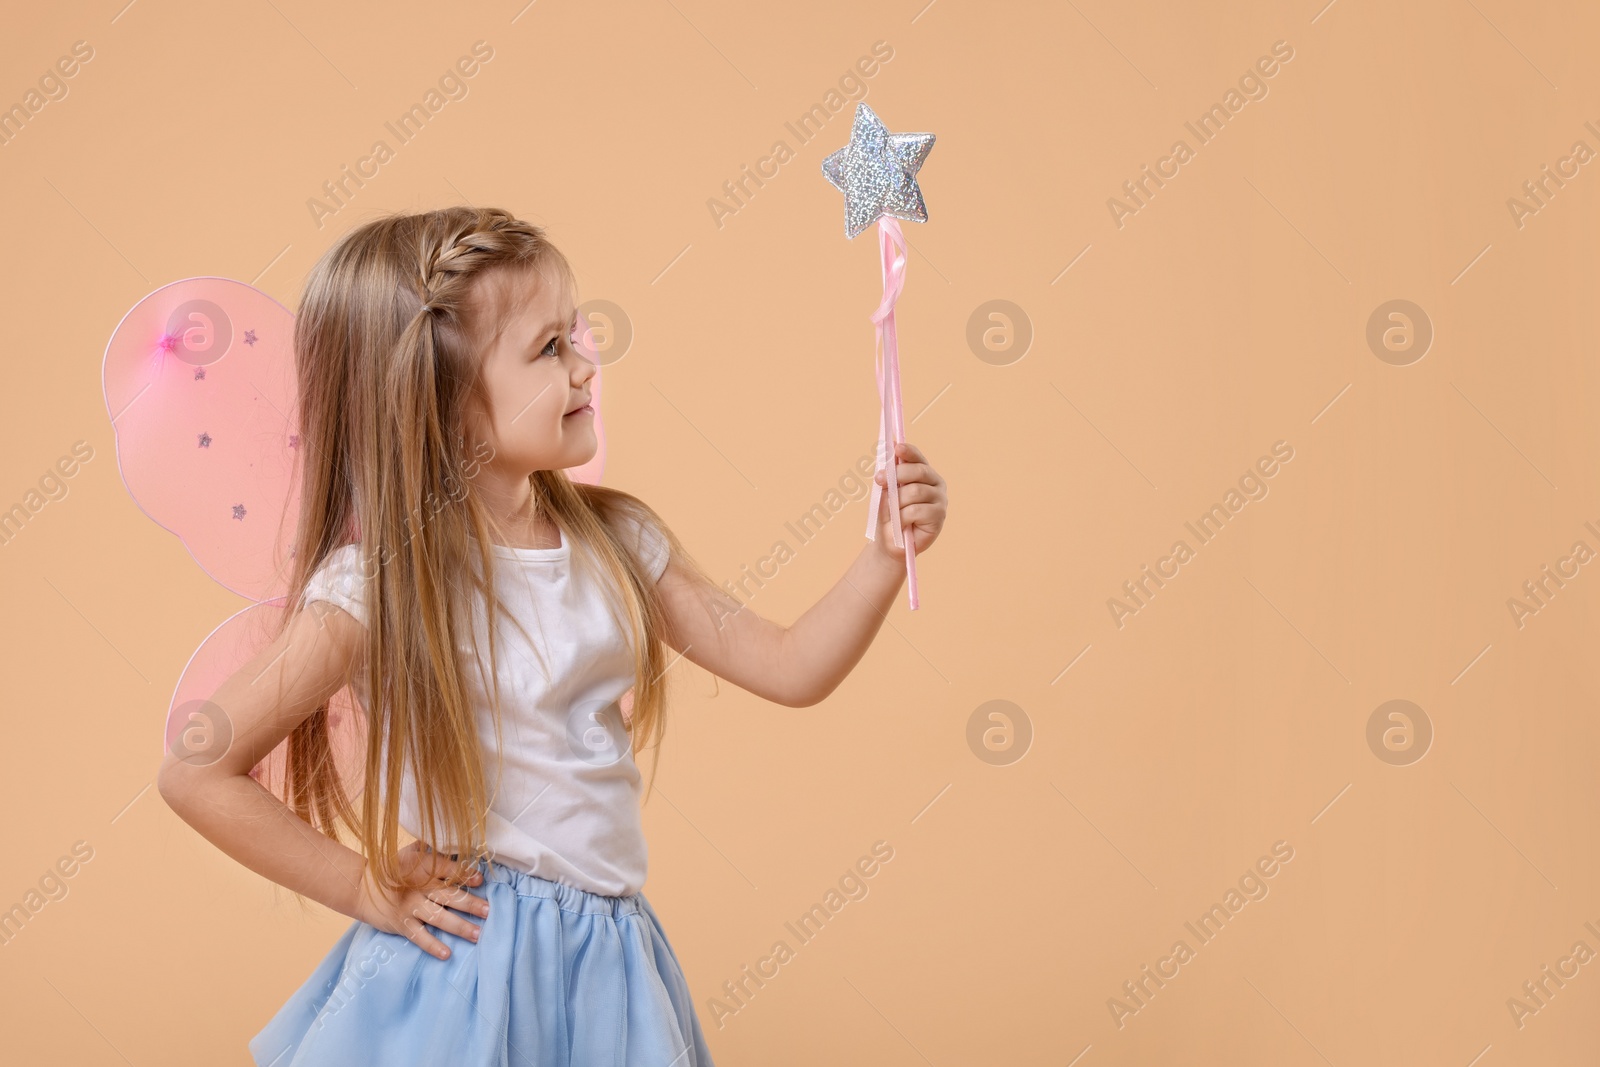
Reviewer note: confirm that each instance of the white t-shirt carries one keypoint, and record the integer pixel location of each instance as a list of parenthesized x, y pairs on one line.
[(568, 806)]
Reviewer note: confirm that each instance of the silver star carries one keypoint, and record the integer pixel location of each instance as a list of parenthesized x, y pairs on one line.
[(877, 172)]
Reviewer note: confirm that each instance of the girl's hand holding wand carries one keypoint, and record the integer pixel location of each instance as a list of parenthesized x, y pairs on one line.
[(923, 503)]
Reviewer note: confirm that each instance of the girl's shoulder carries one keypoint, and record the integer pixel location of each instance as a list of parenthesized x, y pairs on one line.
[(340, 580), (643, 532), (637, 525)]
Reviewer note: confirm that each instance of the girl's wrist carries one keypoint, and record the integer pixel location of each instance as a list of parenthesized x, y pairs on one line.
[(885, 556), (361, 898)]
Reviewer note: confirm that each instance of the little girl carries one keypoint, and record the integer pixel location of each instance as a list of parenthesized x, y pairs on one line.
[(444, 560)]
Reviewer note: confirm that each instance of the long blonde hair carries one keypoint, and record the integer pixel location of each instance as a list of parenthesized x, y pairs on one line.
[(384, 390)]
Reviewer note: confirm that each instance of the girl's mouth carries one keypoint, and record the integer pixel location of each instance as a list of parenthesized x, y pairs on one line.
[(587, 409)]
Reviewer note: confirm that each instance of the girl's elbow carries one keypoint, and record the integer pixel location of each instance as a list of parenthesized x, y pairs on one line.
[(807, 695), (179, 783), (173, 784)]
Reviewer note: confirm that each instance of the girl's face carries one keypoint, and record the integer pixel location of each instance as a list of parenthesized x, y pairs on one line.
[(538, 385)]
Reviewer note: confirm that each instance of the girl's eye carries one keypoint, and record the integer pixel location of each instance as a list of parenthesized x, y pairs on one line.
[(550, 349)]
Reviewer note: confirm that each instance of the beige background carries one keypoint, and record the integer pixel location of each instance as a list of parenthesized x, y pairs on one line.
[(1227, 314)]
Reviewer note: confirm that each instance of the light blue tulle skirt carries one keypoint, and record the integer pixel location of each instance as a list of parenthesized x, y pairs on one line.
[(560, 977)]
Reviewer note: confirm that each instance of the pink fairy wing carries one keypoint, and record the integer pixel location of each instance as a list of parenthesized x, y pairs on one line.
[(200, 385), (203, 733)]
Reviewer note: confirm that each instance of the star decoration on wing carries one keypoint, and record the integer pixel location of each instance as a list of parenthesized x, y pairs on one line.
[(249, 337), (877, 172)]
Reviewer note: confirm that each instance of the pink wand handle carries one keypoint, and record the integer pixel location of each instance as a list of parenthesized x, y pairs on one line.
[(891, 417)]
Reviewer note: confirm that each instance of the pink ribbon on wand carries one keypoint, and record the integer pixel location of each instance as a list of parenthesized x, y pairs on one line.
[(891, 418)]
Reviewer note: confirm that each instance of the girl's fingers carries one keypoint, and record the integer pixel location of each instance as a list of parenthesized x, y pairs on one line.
[(442, 866), (916, 515), (435, 914), (910, 455), (461, 899), (451, 869), (417, 933), (922, 491), (909, 472), (473, 877), (927, 516), (912, 493)]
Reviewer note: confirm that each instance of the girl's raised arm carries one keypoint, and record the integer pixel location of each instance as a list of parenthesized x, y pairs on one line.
[(799, 665), (263, 702)]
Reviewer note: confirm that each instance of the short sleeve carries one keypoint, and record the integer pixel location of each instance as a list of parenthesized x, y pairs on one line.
[(339, 581), (650, 544)]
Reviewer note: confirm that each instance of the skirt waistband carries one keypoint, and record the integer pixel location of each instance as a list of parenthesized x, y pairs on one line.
[(567, 897)]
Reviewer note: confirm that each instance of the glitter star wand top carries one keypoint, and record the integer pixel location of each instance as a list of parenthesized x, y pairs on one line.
[(877, 173)]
